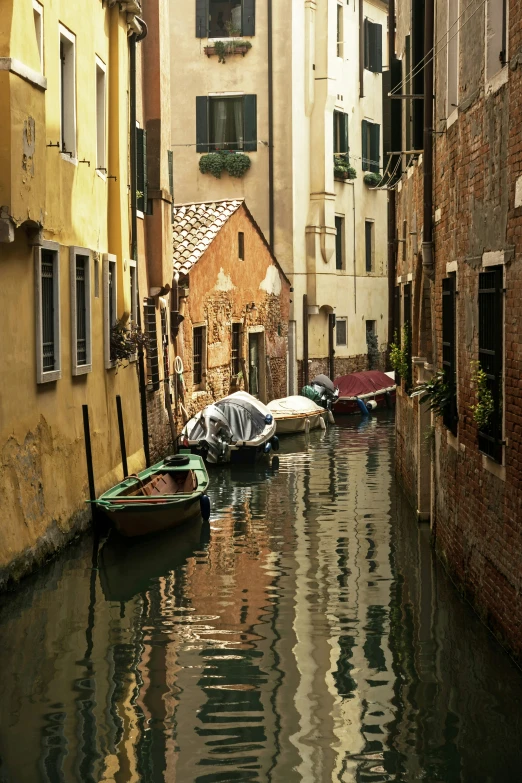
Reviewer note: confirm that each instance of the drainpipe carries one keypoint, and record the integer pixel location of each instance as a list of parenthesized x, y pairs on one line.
[(134, 239), (270, 129), (427, 244), (305, 340), (392, 228), (331, 348), (361, 48)]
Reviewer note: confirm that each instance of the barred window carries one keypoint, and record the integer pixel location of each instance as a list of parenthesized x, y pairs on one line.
[(48, 331), (149, 311), (110, 290), (81, 350), (236, 349), (198, 354), (491, 349), (407, 333), (449, 353), (340, 331)]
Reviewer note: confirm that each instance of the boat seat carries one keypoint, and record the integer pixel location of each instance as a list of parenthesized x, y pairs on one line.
[(170, 484)]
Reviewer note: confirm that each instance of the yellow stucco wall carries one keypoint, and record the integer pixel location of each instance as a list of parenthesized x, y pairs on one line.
[(43, 477)]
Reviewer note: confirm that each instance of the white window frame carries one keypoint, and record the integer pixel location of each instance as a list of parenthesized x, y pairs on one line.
[(495, 80), (339, 30), (108, 259), (38, 11), (70, 129), (101, 120), (81, 369), (345, 344), (56, 374), (453, 44)]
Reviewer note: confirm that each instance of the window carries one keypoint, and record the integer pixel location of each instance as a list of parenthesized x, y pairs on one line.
[(198, 354), (225, 18), (101, 121), (496, 36), (67, 92), (38, 28), (170, 157), (340, 133), (340, 331), (236, 349), (339, 242), (491, 321), (416, 81), (453, 56), (371, 146), (141, 170), (340, 31), (372, 46), (110, 284), (369, 244), (370, 330), (48, 328), (228, 122), (449, 349), (164, 341), (407, 333), (81, 347), (133, 281), (151, 330), (241, 245)]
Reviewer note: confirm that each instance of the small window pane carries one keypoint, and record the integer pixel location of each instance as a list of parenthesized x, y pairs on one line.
[(226, 124), (340, 330)]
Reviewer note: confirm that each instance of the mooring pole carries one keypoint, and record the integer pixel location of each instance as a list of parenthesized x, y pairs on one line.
[(122, 437), (88, 452)]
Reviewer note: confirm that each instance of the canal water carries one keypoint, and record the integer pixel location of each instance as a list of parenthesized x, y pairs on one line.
[(306, 634)]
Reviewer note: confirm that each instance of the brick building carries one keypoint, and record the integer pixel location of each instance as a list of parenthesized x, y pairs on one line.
[(458, 271), (231, 306)]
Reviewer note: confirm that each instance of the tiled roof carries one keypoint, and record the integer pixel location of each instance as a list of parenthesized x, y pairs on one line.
[(194, 227)]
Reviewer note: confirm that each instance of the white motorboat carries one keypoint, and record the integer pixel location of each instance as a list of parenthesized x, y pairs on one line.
[(297, 414), (238, 428)]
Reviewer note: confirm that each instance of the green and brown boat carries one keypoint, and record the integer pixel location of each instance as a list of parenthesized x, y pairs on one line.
[(163, 496)]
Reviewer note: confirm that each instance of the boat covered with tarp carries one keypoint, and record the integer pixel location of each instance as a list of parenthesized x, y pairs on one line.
[(238, 428), (363, 392), (297, 414)]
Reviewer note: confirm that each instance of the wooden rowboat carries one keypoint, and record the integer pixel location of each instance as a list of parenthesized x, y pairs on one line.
[(163, 496), (296, 414)]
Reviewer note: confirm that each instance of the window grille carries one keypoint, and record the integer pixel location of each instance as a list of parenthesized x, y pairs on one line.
[(340, 331), (236, 348), (339, 242), (81, 310), (48, 305), (164, 342), (152, 343), (197, 354), (449, 362), (408, 331), (491, 310)]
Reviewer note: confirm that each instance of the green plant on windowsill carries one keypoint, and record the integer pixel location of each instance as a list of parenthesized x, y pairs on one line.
[(236, 164), (225, 49), (484, 408), (342, 169), (125, 339), (372, 179), (399, 353), (436, 392)]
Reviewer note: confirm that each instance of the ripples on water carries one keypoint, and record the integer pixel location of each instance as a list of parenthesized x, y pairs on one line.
[(307, 635)]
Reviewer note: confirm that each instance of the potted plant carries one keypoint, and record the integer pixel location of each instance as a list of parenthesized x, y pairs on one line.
[(399, 353), (224, 49), (236, 164), (484, 408), (342, 168), (372, 179), (437, 393)]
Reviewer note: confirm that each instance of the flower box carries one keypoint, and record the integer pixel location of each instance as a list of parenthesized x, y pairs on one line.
[(225, 49)]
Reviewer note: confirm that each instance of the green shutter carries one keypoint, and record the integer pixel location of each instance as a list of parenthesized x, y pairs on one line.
[(141, 169), (344, 132), (364, 134), (201, 18), (249, 17), (375, 147), (377, 41), (201, 123), (367, 46), (170, 156), (250, 123)]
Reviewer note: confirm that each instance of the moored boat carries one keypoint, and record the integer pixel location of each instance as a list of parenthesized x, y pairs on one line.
[(363, 392), (163, 496), (238, 428), (297, 414)]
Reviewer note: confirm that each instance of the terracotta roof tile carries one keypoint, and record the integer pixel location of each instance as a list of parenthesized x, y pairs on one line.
[(194, 227)]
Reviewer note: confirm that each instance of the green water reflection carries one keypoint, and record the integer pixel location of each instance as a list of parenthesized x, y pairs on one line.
[(306, 634)]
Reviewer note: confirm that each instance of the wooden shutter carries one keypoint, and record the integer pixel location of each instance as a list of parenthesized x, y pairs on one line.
[(343, 119), (201, 18), (448, 350), (152, 344), (377, 48), (364, 133), (375, 147), (249, 18), (201, 123), (338, 242), (491, 350), (367, 44), (250, 123), (141, 168)]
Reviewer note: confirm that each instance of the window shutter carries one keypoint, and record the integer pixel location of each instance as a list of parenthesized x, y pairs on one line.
[(201, 18), (490, 356), (344, 132), (367, 44), (448, 350), (201, 123), (364, 133), (377, 42), (170, 156), (152, 344), (141, 168), (375, 153), (249, 17), (250, 112)]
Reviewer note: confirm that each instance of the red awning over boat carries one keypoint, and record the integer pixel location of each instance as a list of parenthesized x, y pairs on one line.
[(359, 383)]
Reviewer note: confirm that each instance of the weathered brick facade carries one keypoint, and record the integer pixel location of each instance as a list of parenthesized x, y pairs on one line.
[(476, 502)]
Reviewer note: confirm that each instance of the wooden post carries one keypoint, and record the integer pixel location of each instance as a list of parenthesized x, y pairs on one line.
[(305, 340), (122, 437)]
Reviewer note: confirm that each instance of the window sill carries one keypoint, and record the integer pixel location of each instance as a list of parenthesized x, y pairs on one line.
[(110, 365), (494, 467), (140, 215), (49, 377), (497, 81), (83, 369), (69, 158), (101, 175)]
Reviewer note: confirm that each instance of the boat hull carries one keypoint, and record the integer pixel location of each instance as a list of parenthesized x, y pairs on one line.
[(348, 405), (293, 425), (131, 522)]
